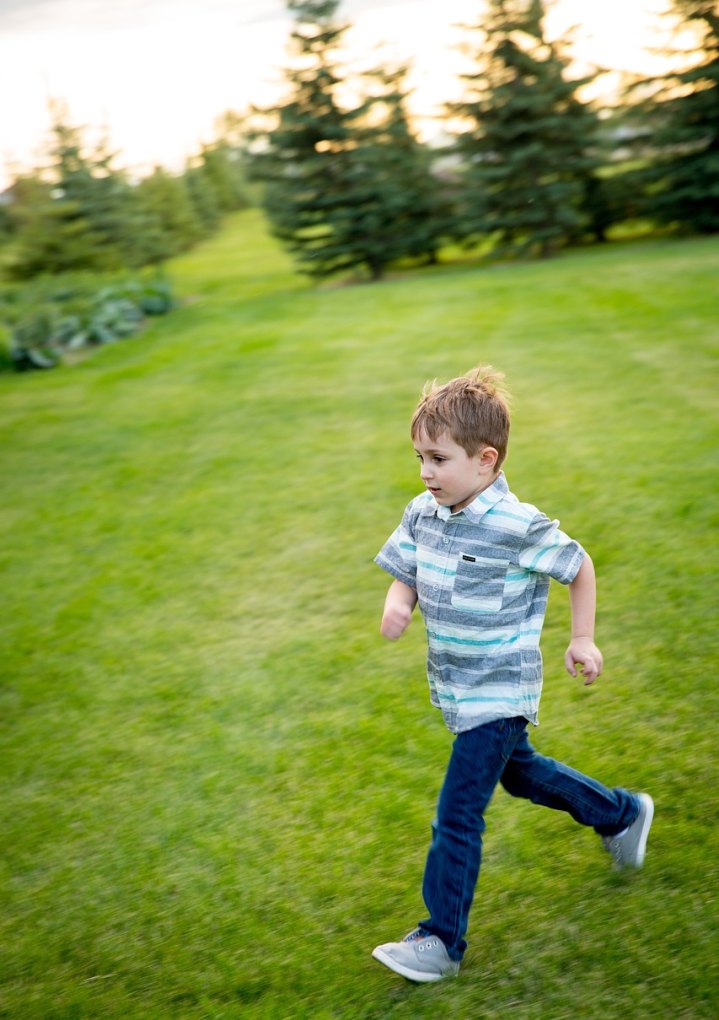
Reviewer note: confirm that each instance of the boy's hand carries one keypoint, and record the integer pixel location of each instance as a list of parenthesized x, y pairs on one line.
[(398, 606), (395, 621), (583, 652)]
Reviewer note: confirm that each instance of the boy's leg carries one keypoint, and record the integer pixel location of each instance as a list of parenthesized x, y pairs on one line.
[(477, 761), (552, 784)]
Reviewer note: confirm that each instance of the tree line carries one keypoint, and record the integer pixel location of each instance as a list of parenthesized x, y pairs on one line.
[(527, 165), (80, 212)]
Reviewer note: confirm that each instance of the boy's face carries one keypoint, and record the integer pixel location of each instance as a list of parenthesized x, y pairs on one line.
[(451, 475)]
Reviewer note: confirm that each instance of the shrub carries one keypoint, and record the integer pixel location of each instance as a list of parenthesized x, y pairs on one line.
[(32, 340), (51, 316)]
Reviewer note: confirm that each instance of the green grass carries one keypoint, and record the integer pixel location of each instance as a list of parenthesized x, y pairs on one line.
[(217, 779)]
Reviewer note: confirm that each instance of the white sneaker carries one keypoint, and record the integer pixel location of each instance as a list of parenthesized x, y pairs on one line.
[(628, 849), (420, 956)]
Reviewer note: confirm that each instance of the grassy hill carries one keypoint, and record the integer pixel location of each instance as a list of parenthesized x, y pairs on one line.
[(218, 780)]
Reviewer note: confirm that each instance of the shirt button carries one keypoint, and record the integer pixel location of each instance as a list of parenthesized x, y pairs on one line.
[(435, 587), (445, 540)]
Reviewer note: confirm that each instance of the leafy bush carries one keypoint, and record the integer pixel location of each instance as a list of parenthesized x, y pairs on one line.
[(112, 319), (151, 297), (51, 316), (33, 342)]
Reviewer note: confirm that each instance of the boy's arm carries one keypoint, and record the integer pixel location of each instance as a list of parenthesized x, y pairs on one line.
[(583, 600), (398, 606)]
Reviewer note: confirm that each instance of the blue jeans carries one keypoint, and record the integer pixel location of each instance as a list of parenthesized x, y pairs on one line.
[(500, 752)]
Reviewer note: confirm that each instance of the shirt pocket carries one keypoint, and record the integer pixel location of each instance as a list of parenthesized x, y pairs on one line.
[(479, 584)]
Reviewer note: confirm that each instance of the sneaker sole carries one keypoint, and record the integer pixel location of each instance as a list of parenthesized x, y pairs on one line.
[(406, 972), (644, 834)]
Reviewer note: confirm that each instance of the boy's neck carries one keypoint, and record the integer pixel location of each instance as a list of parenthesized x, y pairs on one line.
[(479, 491)]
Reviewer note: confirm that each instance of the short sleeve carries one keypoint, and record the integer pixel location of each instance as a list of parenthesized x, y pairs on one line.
[(398, 556), (547, 550)]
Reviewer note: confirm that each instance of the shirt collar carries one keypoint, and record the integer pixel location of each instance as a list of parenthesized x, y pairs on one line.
[(479, 506)]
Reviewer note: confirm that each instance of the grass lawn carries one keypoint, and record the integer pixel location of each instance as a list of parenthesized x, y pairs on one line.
[(217, 778)]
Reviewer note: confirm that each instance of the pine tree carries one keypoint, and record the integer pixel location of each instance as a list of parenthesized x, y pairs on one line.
[(346, 186), (203, 196), (87, 178), (304, 162), (86, 217), (53, 233), (55, 238), (412, 211), (221, 164), (679, 132), (527, 172), (233, 134), (165, 198)]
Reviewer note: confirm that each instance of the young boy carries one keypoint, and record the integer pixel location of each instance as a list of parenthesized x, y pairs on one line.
[(478, 564)]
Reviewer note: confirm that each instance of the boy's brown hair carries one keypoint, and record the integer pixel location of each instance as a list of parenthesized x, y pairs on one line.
[(473, 409)]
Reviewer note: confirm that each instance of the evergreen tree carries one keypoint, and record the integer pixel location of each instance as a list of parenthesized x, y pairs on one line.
[(86, 216), (304, 159), (345, 187), (53, 234), (165, 199), (679, 132), (213, 180), (27, 192), (203, 196), (527, 173), (233, 133), (221, 164), (86, 178), (413, 215)]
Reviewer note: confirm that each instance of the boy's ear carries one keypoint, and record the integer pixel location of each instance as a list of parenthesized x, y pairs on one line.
[(488, 458)]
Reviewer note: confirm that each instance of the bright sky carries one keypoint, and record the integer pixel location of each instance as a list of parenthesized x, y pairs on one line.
[(157, 73)]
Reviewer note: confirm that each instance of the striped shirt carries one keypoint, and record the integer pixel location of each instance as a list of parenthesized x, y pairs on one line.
[(482, 582)]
